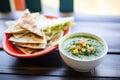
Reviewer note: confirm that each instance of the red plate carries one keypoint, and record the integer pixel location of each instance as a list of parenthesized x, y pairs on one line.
[(13, 51)]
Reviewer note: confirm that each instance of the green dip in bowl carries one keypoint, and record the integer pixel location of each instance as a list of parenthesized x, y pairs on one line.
[(82, 51), (83, 47)]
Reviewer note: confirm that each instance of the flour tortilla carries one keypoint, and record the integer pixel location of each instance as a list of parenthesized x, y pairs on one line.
[(31, 22), (49, 37), (54, 22), (29, 38), (31, 45), (13, 27), (55, 40), (10, 23), (20, 34), (53, 26), (25, 50), (35, 15)]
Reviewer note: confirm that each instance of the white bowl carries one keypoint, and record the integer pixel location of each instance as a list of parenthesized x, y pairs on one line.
[(78, 64)]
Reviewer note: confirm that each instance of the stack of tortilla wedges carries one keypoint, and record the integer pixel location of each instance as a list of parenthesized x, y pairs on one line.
[(28, 32)]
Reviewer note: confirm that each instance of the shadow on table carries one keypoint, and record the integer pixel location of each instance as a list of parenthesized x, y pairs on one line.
[(50, 64)]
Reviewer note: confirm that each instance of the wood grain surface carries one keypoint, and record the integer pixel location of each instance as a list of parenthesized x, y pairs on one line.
[(52, 67)]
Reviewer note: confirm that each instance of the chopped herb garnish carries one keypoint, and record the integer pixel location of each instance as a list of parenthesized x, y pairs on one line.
[(83, 47)]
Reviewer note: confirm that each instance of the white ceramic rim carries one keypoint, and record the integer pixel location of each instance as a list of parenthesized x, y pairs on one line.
[(83, 33)]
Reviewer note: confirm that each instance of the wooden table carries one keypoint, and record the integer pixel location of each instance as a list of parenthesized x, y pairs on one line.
[(52, 67)]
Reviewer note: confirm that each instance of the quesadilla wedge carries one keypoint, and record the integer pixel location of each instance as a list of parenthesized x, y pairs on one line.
[(20, 34), (13, 27), (10, 23), (54, 40), (31, 22), (25, 50), (55, 26), (29, 38), (31, 45)]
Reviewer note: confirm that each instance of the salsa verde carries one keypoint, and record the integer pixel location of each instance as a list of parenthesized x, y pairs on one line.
[(83, 47)]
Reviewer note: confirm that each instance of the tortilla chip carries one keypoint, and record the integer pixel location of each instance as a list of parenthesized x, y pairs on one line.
[(54, 41), (25, 50), (29, 38), (31, 45)]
